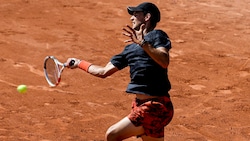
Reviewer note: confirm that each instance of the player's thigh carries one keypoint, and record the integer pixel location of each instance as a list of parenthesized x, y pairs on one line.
[(148, 138), (123, 129)]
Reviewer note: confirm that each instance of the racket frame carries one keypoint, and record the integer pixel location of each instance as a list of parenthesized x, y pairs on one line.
[(59, 67)]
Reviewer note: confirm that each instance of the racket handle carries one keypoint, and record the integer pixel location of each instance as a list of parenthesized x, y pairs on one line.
[(71, 63)]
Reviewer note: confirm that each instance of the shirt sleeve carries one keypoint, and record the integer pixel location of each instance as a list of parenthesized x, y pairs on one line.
[(159, 38), (120, 60)]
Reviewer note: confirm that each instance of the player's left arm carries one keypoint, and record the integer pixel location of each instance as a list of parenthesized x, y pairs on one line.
[(160, 55)]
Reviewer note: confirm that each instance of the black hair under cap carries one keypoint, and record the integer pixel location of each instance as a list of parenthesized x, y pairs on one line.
[(146, 7)]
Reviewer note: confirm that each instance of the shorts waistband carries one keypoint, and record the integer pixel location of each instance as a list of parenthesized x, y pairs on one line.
[(162, 99)]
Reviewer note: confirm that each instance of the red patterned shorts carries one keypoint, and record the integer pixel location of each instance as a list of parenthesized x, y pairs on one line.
[(153, 114)]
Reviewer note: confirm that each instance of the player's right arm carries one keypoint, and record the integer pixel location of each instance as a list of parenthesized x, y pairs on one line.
[(95, 70), (102, 72)]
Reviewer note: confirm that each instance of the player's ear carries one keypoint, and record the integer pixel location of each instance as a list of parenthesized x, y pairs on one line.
[(147, 17)]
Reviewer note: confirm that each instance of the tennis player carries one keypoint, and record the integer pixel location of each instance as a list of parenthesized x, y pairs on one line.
[(147, 56)]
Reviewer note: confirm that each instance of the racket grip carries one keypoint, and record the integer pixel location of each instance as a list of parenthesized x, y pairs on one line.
[(71, 63)]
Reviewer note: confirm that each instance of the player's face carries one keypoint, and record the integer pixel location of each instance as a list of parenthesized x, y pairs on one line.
[(137, 19)]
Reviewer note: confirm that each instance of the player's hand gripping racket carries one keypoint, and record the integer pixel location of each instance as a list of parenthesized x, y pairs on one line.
[(53, 70)]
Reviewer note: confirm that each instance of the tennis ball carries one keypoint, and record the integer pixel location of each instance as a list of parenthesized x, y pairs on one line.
[(22, 88)]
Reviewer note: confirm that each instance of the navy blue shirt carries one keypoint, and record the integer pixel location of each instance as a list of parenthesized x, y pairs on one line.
[(147, 77)]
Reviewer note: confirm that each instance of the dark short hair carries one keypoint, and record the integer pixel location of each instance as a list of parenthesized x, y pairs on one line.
[(146, 7)]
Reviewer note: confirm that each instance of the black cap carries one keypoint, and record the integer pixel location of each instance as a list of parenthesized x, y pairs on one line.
[(146, 7)]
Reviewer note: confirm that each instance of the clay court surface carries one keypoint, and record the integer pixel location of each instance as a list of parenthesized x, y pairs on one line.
[(209, 69)]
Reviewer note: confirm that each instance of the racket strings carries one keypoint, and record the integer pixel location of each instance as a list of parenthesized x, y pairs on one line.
[(52, 71)]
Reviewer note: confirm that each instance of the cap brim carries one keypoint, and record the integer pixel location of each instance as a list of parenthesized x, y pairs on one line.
[(131, 10)]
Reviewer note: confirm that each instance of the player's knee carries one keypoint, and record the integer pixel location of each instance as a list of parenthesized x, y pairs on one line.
[(111, 134)]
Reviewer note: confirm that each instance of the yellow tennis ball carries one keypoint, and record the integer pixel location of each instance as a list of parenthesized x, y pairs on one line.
[(22, 88)]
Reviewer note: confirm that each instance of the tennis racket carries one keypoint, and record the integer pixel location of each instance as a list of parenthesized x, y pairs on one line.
[(53, 70)]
